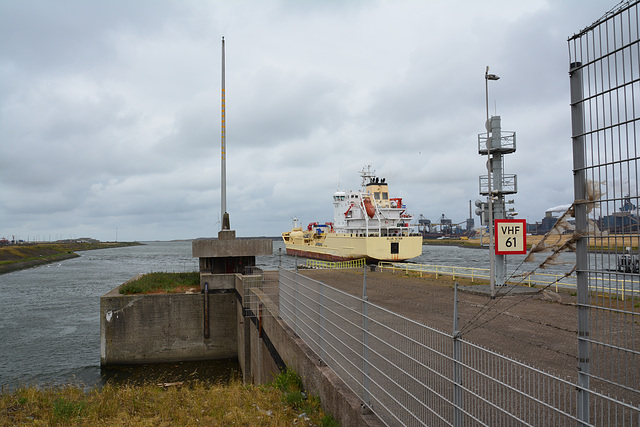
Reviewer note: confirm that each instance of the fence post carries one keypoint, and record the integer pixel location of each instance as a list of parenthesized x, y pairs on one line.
[(582, 245), (457, 377), (323, 326), (365, 342)]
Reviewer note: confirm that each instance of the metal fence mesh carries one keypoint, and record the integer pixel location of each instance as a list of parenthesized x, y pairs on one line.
[(411, 374), (260, 290), (605, 83)]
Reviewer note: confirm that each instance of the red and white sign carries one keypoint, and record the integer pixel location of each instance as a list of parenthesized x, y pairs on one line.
[(511, 236)]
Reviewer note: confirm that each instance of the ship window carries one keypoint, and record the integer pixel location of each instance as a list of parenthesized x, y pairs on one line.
[(395, 247), (377, 195), (385, 196)]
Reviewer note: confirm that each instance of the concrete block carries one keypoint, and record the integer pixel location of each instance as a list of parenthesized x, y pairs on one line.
[(166, 328), (217, 281), (215, 248)]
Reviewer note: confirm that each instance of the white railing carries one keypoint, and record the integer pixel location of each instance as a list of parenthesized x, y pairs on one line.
[(624, 286), (317, 263)]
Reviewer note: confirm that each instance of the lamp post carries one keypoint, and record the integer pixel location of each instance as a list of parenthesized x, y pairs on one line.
[(492, 255)]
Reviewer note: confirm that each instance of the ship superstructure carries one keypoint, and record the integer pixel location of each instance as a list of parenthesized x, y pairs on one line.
[(368, 223)]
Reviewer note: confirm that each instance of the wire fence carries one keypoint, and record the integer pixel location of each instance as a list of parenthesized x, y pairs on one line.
[(605, 83), (260, 290), (411, 374)]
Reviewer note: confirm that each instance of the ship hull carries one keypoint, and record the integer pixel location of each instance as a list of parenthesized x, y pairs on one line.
[(343, 247)]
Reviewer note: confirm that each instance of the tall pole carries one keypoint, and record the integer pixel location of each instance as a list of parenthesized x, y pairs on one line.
[(492, 255), (223, 166)]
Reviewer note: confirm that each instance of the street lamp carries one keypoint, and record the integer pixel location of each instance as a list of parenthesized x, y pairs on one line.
[(492, 256)]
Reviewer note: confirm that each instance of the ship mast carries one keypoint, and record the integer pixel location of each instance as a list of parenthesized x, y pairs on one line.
[(366, 174), (223, 166)]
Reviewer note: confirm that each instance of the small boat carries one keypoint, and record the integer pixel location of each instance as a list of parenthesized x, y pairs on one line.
[(366, 224)]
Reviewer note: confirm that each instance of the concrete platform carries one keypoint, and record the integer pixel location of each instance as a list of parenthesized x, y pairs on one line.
[(218, 248)]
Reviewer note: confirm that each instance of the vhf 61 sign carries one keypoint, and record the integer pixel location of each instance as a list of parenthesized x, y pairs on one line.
[(511, 236)]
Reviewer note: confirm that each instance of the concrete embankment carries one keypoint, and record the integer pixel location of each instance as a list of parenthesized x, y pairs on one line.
[(173, 327)]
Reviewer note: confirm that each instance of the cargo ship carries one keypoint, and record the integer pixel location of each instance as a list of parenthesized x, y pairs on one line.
[(366, 224)]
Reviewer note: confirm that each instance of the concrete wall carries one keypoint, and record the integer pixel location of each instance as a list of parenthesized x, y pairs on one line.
[(274, 346), (166, 328)]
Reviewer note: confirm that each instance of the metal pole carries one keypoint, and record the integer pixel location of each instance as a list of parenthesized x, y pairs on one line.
[(457, 377), (582, 245), (498, 202), (492, 259), (206, 310), (223, 166)]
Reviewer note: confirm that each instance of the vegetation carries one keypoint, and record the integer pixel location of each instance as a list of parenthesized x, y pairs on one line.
[(162, 282), (17, 257), (280, 403)]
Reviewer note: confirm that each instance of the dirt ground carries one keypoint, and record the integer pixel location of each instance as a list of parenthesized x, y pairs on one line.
[(538, 329)]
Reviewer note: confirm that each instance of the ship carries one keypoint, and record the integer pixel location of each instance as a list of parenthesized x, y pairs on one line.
[(366, 224)]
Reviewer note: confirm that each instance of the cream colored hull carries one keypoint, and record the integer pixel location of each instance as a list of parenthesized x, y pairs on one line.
[(340, 247)]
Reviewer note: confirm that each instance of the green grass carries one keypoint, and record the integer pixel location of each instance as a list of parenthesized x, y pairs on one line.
[(65, 409), (165, 282), (290, 385)]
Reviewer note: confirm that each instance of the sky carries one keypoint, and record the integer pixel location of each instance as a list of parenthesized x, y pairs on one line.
[(110, 110)]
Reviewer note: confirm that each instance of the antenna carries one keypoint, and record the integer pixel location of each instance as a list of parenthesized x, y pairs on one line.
[(223, 166)]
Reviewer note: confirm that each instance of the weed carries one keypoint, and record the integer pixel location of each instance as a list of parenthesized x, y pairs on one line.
[(329, 421), (65, 409), (290, 384), (167, 282), (287, 381), (295, 399)]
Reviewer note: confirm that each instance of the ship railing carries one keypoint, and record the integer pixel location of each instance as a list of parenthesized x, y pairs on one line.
[(618, 284), (317, 263)]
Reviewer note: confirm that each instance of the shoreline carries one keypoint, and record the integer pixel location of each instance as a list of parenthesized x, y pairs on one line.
[(22, 257)]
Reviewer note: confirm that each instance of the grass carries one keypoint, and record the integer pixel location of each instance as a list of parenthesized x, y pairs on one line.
[(191, 403), (161, 282)]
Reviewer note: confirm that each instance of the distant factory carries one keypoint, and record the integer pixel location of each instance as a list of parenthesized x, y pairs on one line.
[(624, 219), (551, 216), (445, 227)]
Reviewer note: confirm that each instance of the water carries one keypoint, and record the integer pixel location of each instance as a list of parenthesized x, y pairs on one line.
[(50, 315)]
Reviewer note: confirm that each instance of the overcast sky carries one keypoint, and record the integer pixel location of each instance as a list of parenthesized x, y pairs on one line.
[(110, 110)]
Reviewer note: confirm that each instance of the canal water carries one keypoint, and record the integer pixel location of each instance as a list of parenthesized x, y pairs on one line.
[(50, 324)]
